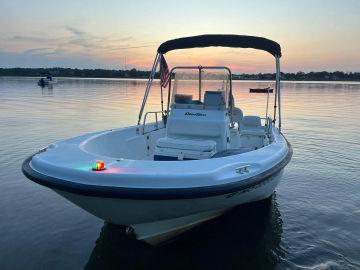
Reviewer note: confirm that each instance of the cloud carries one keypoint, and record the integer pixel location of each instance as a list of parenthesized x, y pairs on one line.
[(69, 46), (74, 31), (75, 38), (40, 51), (33, 39), (57, 59), (89, 41)]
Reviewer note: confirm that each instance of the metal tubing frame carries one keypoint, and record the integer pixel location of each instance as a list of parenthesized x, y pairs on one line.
[(278, 91), (201, 68), (149, 83), (162, 100), (277, 108), (267, 103), (156, 121), (275, 101)]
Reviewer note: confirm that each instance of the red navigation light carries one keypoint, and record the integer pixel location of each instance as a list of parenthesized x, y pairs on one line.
[(98, 165)]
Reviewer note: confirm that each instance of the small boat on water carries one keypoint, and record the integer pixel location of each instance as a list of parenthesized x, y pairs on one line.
[(261, 90), (47, 80), (199, 158)]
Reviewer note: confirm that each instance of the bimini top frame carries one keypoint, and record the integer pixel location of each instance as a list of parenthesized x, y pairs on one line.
[(233, 41)]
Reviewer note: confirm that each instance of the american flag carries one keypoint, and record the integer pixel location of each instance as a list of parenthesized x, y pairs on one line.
[(164, 72)]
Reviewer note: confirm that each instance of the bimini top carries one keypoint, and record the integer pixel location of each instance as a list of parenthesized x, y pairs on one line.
[(234, 41)]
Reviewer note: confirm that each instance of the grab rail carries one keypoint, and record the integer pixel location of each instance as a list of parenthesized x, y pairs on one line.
[(268, 125), (156, 121)]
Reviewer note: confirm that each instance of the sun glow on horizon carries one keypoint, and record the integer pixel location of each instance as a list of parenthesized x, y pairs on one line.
[(118, 35)]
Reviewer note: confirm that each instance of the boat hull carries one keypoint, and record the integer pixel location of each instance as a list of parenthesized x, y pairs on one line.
[(158, 220), (158, 199)]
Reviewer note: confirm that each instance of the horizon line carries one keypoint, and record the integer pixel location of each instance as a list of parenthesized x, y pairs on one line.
[(143, 70)]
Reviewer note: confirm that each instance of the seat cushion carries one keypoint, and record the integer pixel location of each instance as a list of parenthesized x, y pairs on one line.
[(251, 125), (214, 100), (193, 127), (183, 99), (251, 121), (254, 131), (194, 145)]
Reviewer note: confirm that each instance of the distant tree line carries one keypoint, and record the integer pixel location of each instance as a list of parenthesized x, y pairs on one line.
[(74, 72), (302, 76), (134, 73)]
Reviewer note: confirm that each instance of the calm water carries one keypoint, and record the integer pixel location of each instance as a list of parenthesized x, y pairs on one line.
[(312, 222)]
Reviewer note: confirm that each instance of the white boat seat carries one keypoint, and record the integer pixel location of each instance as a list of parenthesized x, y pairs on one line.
[(253, 132), (214, 100), (190, 127), (186, 102), (251, 125), (199, 125), (251, 121), (184, 144), (182, 149)]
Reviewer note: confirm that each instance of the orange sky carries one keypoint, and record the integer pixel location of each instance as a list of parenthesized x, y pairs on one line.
[(314, 35)]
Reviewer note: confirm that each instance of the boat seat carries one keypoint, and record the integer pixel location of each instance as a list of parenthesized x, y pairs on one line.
[(185, 144), (214, 100), (183, 149), (183, 99), (252, 133), (199, 124), (189, 127), (186, 102), (251, 125)]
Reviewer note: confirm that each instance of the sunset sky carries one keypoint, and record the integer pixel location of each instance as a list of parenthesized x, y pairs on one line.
[(314, 35)]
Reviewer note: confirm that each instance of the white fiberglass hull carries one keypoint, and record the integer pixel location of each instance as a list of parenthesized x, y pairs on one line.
[(158, 220), (158, 199)]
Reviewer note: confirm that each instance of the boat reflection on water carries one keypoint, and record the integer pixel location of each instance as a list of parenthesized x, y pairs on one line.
[(47, 91), (248, 237)]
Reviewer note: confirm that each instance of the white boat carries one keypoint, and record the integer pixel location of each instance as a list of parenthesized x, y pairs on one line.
[(199, 159)]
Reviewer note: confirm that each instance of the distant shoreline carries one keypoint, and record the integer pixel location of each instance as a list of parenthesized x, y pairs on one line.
[(140, 74)]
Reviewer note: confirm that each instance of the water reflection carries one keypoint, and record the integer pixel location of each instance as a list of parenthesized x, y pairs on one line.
[(246, 238), (47, 90)]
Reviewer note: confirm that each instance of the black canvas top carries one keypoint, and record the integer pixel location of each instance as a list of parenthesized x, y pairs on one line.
[(234, 41)]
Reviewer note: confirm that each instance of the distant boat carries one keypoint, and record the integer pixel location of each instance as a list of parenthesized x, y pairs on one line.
[(47, 80), (261, 90)]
